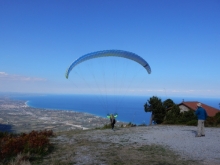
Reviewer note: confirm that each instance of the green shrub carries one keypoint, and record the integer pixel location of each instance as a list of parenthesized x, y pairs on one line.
[(192, 123), (107, 126), (217, 118), (210, 122)]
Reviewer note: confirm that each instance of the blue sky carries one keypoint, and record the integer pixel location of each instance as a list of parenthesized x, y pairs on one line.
[(180, 40)]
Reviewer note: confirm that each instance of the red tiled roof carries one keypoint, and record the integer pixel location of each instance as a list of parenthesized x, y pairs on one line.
[(193, 105)]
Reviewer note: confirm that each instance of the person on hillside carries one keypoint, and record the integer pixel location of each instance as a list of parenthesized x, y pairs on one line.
[(201, 115), (112, 120)]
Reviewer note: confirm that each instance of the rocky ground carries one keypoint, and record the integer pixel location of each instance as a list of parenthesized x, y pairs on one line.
[(140, 145)]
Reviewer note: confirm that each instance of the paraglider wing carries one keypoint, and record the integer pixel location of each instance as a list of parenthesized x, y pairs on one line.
[(109, 115), (107, 53)]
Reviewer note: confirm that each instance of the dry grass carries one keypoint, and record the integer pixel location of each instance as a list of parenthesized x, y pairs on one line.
[(21, 159), (80, 147)]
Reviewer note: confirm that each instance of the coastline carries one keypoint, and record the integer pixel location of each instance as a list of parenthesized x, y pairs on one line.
[(130, 109), (26, 104), (48, 118), (17, 116), (67, 110)]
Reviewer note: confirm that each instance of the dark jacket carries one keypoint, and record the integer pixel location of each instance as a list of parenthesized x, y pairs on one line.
[(112, 120), (201, 113)]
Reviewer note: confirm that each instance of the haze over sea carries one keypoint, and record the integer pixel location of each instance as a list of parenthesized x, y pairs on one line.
[(128, 108)]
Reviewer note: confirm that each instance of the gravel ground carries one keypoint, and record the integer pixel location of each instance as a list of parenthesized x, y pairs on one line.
[(180, 139)]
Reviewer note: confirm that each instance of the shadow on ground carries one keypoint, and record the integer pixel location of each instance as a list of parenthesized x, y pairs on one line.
[(192, 131), (5, 128)]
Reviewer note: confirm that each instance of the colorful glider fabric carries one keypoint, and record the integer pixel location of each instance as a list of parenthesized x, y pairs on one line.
[(108, 53), (109, 115)]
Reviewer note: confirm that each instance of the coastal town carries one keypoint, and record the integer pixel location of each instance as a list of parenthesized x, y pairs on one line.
[(16, 117)]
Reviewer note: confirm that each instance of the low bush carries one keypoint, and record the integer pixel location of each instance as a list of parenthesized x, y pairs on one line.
[(35, 142), (192, 123)]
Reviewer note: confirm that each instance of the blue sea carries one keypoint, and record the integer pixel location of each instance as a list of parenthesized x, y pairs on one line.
[(128, 108)]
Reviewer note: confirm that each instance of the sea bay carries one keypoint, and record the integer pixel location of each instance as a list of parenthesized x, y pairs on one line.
[(128, 108)]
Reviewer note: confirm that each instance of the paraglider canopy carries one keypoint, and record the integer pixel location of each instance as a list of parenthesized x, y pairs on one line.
[(107, 53), (111, 80)]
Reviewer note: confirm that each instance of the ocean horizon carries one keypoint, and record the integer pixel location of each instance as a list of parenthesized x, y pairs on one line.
[(128, 108)]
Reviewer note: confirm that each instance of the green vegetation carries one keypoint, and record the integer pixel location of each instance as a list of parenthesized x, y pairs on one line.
[(213, 121), (155, 106), (108, 126), (168, 112)]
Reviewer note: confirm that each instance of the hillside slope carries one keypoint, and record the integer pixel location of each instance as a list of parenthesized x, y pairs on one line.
[(137, 145)]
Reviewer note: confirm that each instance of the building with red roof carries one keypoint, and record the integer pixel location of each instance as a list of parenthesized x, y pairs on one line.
[(186, 106)]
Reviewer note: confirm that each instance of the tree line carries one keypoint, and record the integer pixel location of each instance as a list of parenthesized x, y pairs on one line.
[(167, 112)]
